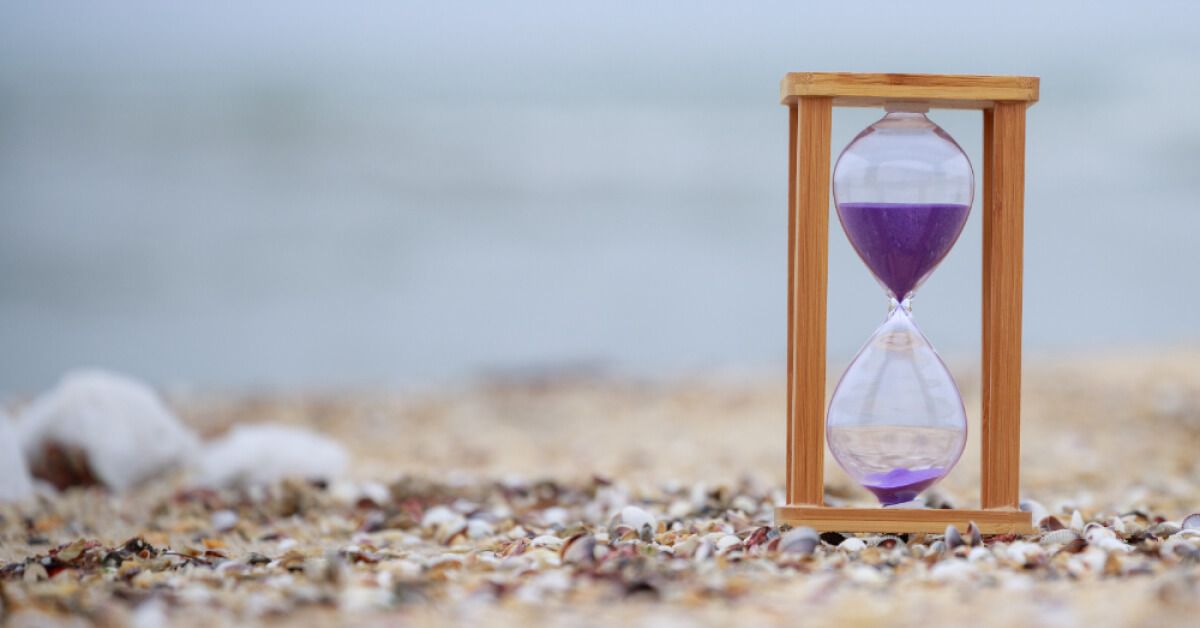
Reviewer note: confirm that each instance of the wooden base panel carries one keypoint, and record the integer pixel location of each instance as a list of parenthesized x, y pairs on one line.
[(900, 520)]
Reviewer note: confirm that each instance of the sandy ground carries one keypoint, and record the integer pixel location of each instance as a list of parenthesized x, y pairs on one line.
[(469, 505)]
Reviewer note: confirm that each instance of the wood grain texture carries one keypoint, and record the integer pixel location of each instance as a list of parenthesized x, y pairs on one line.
[(904, 520), (1003, 225), (939, 91), (809, 265), (791, 255)]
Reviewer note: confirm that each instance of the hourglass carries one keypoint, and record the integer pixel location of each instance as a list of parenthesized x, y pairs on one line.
[(903, 189)]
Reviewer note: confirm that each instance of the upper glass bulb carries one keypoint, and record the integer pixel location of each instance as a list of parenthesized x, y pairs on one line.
[(903, 189)]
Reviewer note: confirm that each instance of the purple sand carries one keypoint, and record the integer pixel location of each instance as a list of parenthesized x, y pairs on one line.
[(902, 242), (901, 485)]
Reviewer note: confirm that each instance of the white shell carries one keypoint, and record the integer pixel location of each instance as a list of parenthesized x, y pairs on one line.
[(1059, 537), (637, 518), (1036, 510), (852, 544), (953, 538), (252, 455), (799, 541), (119, 423)]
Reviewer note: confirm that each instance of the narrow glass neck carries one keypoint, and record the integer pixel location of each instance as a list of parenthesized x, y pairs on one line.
[(906, 304)]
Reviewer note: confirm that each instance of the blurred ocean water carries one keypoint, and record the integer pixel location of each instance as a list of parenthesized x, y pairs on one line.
[(203, 196)]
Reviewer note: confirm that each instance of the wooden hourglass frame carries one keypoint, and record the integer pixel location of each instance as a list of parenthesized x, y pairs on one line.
[(810, 98)]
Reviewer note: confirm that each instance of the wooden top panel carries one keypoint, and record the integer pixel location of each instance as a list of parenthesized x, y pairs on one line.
[(939, 91)]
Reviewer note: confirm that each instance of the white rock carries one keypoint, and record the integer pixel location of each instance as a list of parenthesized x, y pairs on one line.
[(122, 427), (636, 518), (263, 454), (15, 483)]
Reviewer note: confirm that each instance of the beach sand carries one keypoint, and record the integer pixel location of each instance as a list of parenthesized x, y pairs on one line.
[(583, 500)]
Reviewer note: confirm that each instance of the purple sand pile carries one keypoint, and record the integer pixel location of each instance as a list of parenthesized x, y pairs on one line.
[(902, 242), (901, 485)]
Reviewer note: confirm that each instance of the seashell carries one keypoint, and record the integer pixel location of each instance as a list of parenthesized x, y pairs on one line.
[(1058, 537), (224, 520), (1165, 528), (438, 515), (889, 541), (547, 540), (1051, 523), (937, 547), (727, 542), (862, 574), (686, 547), (974, 537), (1077, 521), (978, 554), (1177, 547), (757, 537), (1112, 544), (579, 550), (704, 550), (638, 519), (952, 570), (99, 427), (1024, 553), (745, 503), (799, 541), (478, 529), (1076, 546), (1035, 509), (852, 544), (1094, 532), (1118, 525), (679, 509), (953, 538), (1191, 522)]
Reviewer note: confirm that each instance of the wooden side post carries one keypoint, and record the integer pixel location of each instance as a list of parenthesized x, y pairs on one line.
[(1003, 218), (808, 277), (791, 256)]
